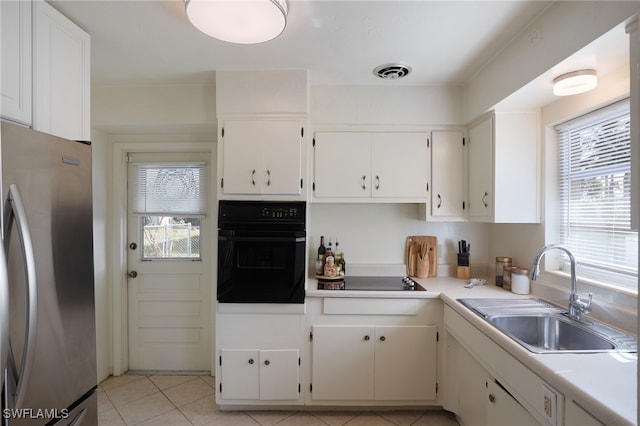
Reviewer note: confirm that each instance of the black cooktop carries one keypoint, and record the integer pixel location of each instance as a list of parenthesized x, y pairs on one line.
[(381, 284)]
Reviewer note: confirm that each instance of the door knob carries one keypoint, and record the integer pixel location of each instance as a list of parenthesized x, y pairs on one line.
[(133, 246), (133, 274)]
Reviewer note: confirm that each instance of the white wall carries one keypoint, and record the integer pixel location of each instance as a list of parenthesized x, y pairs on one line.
[(100, 154), (376, 234), (563, 29), (159, 113), (182, 109), (389, 105)]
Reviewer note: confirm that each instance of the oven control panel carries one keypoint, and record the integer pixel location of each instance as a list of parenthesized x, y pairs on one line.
[(241, 214), (280, 213)]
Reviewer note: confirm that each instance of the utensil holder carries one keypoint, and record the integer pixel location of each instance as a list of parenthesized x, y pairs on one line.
[(422, 268)]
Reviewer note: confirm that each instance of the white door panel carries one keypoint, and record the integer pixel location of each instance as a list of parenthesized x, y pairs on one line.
[(169, 298)]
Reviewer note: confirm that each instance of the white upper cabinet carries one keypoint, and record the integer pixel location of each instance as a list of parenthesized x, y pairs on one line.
[(505, 168), (342, 164), (370, 167), (261, 157), (262, 120), (61, 76), (447, 176), (15, 88)]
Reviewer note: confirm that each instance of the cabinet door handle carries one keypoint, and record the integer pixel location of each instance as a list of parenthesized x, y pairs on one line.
[(251, 361), (492, 398), (484, 199), (366, 338), (363, 179), (267, 362), (268, 177), (382, 338), (253, 175), (439, 201), (377, 182)]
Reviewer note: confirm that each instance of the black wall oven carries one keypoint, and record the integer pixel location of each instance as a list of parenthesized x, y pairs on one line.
[(261, 252)]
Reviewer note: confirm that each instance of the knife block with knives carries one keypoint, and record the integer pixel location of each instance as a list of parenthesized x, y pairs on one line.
[(421, 256), (463, 270)]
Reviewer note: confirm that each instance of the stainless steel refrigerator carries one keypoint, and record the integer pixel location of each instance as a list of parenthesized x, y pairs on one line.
[(47, 338)]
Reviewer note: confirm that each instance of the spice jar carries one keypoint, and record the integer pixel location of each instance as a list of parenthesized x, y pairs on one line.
[(520, 281), (501, 262), (506, 277)]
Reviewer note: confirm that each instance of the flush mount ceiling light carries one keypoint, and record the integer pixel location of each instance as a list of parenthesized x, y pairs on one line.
[(575, 82), (392, 71), (238, 21)]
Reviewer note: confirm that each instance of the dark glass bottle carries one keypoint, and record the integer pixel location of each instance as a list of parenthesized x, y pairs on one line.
[(322, 249)]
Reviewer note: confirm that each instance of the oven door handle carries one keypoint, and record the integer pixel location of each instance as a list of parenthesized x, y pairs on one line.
[(263, 239)]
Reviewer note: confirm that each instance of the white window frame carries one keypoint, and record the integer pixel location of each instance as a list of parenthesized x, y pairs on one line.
[(167, 190), (610, 278)]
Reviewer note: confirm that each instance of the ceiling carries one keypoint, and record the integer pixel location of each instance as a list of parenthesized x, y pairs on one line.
[(340, 42)]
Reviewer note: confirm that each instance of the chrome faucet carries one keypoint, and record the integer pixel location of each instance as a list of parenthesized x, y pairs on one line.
[(576, 306)]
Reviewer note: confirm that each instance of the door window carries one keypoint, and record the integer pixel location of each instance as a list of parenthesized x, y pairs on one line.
[(168, 237), (168, 199)]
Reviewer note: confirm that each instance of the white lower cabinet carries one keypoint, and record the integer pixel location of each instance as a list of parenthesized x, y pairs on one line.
[(577, 416), (474, 395), (381, 363), (513, 394), (465, 384), (503, 409), (258, 358), (259, 374)]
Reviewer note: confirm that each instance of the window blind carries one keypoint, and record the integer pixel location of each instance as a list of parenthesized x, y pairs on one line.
[(595, 190), (168, 188)]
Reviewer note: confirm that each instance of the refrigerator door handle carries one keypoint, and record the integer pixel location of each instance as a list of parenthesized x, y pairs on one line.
[(4, 315), (14, 210)]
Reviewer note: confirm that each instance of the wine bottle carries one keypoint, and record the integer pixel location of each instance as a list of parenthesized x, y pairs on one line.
[(321, 249)]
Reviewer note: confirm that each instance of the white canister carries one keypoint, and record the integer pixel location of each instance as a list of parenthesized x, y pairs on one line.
[(520, 281)]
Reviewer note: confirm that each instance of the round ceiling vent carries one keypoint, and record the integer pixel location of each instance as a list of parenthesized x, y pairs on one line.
[(392, 71)]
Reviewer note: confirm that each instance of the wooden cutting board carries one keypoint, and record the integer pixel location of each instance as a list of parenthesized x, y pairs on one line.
[(412, 248)]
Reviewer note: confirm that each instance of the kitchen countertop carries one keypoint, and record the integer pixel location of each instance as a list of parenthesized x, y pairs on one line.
[(604, 384)]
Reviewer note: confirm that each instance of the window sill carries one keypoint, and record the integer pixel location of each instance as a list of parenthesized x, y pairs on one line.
[(599, 288), (612, 305)]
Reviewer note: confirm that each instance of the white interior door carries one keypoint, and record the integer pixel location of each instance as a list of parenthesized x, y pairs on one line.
[(169, 284)]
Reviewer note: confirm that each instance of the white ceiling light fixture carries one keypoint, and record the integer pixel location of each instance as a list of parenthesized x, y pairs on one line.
[(238, 21), (574, 83)]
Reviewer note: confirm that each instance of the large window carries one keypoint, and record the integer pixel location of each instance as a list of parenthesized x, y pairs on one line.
[(595, 194)]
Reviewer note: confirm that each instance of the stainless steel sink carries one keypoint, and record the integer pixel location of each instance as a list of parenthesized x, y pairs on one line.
[(550, 333), (542, 327)]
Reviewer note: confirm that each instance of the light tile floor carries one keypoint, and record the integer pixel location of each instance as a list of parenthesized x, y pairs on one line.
[(161, 400)]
